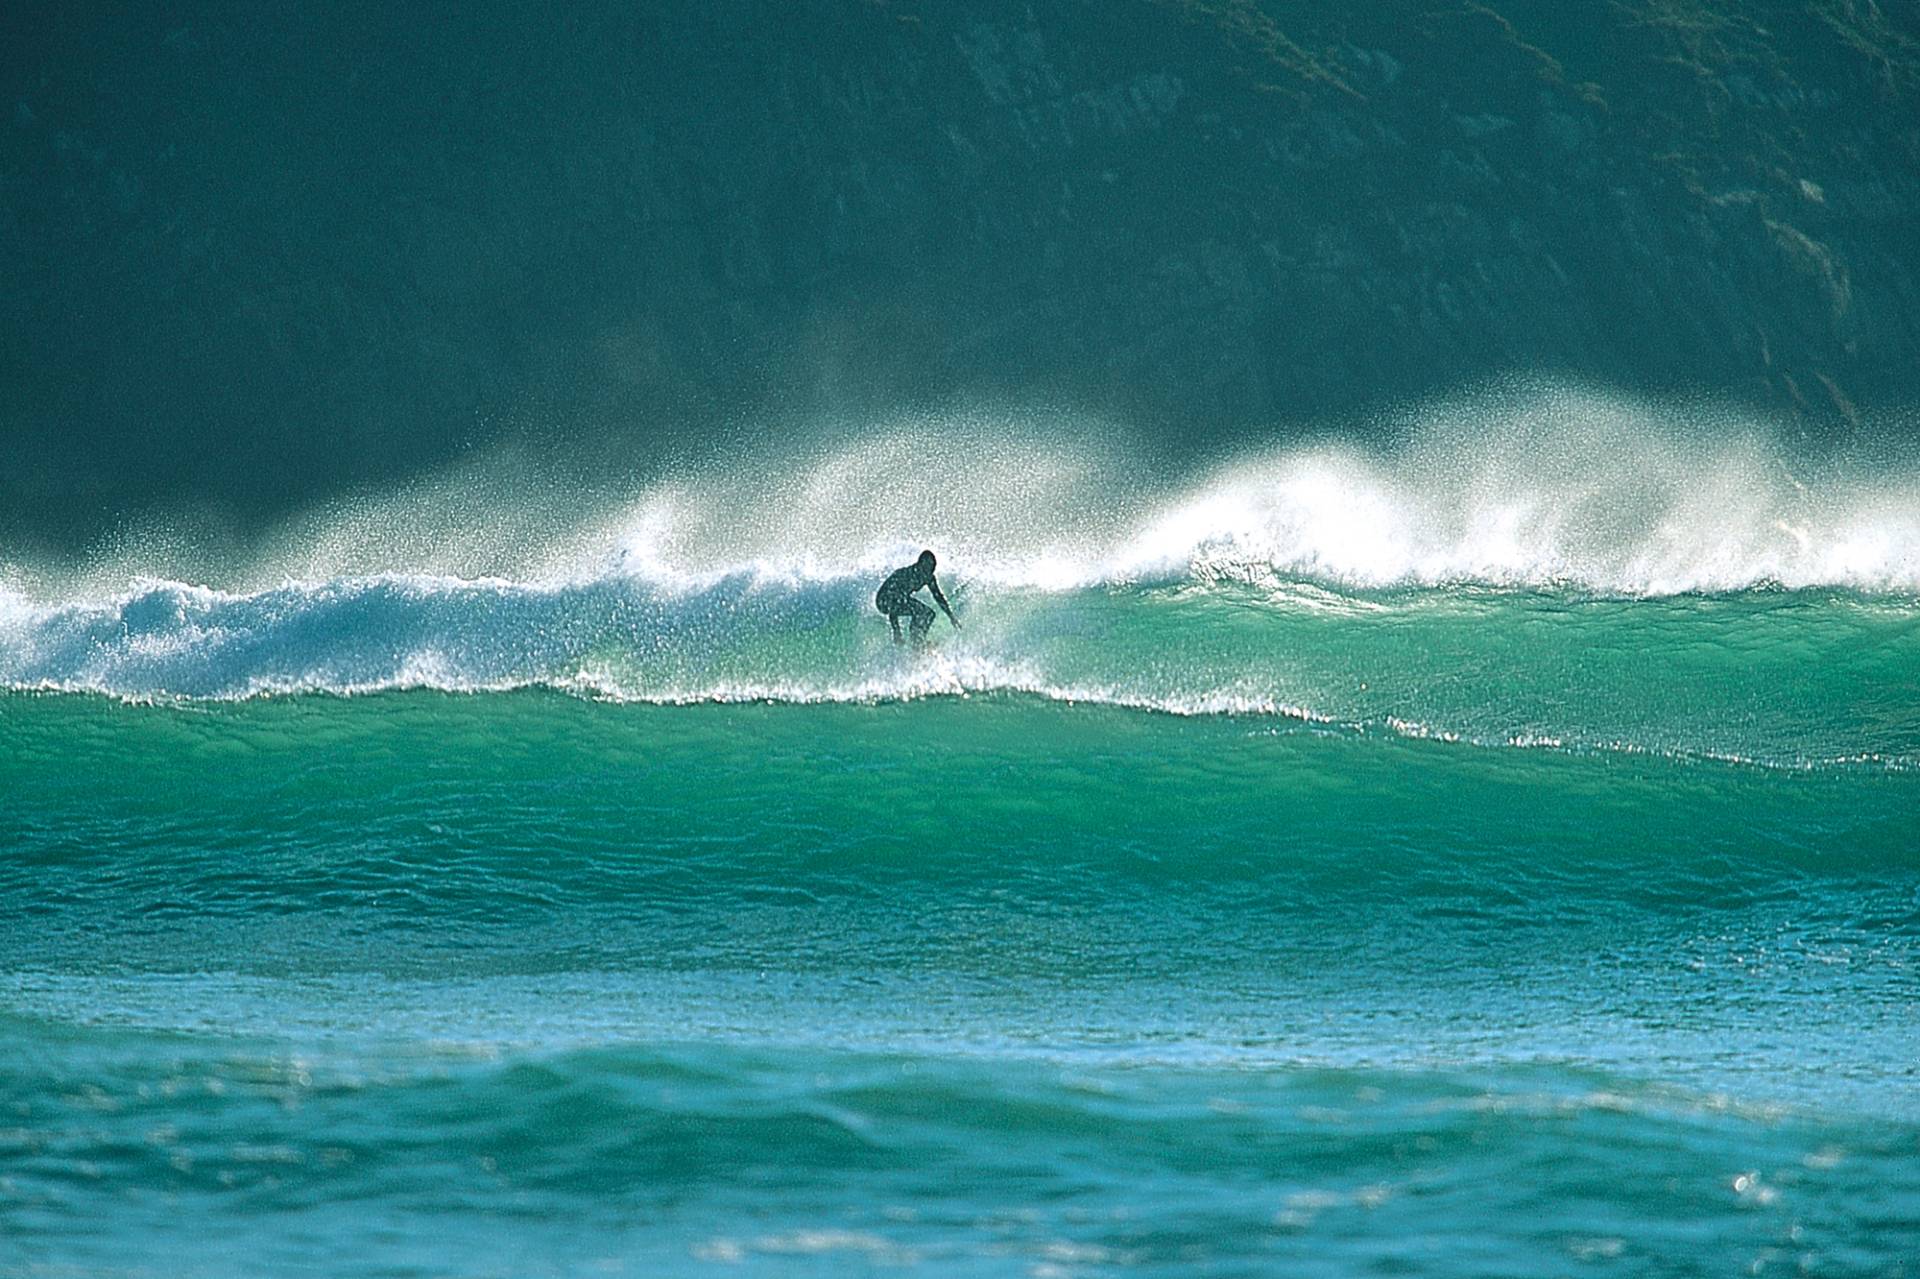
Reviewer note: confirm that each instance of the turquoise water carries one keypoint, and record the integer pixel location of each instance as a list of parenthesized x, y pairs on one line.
[(1514, 895)]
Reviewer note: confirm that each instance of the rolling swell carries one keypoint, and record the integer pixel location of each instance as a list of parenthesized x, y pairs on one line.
[(1265, 1166), (1555, 569), (1341, 862), (1798, 678), (529, 832)]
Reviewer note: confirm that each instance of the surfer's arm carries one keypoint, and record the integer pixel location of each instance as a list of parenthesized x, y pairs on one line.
[(941, 600)]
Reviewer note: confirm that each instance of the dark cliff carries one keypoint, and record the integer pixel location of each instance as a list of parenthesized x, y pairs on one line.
[(250, 255)]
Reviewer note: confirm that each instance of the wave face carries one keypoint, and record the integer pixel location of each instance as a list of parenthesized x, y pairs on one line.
[(966, 982), (1569, 571), (1770, 676), (1471, 859)]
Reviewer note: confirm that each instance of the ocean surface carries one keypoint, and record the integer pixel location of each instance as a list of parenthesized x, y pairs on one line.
[(1498, 854)]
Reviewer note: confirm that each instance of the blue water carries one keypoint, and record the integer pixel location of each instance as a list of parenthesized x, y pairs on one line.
[(1339, 865)]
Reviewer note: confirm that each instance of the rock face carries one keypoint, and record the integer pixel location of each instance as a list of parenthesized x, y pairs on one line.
[(248, 253)]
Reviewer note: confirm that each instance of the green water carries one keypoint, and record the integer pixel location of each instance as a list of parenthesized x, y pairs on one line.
[(1351, 866), (1508, 934)]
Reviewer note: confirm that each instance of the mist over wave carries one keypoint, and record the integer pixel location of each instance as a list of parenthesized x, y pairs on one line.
[(1520, 488), (1511, 488), (1084, 575)]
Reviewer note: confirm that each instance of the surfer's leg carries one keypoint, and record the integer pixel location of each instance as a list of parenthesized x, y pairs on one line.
[(922, 621), (893, 605)]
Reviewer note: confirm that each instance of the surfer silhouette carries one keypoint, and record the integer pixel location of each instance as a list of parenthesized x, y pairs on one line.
[(895, 599)]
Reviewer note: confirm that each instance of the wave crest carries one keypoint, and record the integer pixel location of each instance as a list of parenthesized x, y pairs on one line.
[(757, 583)]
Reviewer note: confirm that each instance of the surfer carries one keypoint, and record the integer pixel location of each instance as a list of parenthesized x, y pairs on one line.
[(895, 599)]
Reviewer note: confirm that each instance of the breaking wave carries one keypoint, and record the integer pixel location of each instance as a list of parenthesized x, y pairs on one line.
[(756, 582)]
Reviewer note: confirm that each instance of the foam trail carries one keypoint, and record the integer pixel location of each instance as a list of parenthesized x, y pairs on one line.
[(1255, 589)]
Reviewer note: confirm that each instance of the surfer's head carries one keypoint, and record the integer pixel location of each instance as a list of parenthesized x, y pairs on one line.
[(926, 560)]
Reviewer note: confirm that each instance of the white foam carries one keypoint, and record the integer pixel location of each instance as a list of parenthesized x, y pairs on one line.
[(1548, 489), (1555, 487), (707, 588), (1614, 507), (744, 637)]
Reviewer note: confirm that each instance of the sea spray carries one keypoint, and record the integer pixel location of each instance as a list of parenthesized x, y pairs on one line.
[(1493, 853), (1574, 572), (1512, 487)]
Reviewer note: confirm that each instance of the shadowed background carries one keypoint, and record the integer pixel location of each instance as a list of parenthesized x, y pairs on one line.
[(253, 258), (1426, 784)]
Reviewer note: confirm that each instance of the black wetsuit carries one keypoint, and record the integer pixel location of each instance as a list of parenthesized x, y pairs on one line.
[(895, 599)]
